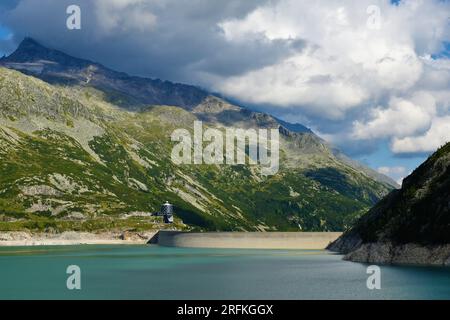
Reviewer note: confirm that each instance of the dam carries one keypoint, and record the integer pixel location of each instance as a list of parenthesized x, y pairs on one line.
[(246, 240)]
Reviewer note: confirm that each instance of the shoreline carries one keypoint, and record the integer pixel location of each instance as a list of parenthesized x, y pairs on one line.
[(49, 243), (406, 254), (72, 238), (230, 240), (390, 253)]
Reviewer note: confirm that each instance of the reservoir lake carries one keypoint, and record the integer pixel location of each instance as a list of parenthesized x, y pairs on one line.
[(154, 272)]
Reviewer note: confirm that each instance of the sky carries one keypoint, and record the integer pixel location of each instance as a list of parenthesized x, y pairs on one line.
[(5, 34), (370, 76)]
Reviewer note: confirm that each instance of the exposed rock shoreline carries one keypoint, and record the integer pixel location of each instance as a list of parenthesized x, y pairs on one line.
[(386, 253), (389, 253), (25, 238)]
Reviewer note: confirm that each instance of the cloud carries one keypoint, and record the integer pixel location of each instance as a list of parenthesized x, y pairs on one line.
[(435, 137), (401, 118), (333, 65), (392, 170), (398, 173), (346, 66), (124, 16), (376, 83), (415, 123), (311, 81)]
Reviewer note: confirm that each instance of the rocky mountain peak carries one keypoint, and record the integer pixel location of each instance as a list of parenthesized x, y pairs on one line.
[(130, 92), (31, 51), (29, 43)]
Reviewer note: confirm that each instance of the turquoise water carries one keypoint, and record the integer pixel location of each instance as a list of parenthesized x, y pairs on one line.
[(152, 272)]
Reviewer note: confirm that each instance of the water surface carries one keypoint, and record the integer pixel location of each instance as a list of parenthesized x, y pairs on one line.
[(153, 272)]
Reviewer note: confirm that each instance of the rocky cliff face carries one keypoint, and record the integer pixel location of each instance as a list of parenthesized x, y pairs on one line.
[(85, 147), (410, 225)]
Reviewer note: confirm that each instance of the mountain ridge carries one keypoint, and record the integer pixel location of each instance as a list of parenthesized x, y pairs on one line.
[(108, 153), (57, 67), (49, 73)]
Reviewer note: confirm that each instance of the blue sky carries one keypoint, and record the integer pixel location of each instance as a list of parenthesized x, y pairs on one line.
[(399, 166), (444, 53), (374, 81), (5, 33)]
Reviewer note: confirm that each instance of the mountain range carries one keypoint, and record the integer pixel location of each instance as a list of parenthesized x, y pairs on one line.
[(84, 147)]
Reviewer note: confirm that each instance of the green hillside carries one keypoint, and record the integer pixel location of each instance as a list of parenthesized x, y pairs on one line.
[(410, 225), (72, 160)]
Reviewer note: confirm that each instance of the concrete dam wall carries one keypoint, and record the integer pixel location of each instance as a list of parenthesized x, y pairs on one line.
[(247, 240)]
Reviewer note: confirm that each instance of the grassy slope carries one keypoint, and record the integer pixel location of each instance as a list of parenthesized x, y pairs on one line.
[(123, 166)]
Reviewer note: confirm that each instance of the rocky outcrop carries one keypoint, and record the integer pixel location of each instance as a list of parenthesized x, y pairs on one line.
[(346, 244), (388, 253)]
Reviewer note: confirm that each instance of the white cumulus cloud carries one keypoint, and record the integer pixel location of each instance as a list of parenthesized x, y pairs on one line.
[(435, 137), (124, 16), (346, 64), (401, 118)]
